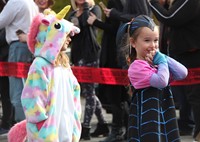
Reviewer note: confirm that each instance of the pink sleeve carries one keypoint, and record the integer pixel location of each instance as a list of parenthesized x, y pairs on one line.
[(140, 73)]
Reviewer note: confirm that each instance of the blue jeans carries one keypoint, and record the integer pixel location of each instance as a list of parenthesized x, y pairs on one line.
[(18, 52)]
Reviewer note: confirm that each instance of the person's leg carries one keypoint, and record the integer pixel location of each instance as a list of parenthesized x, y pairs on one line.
[(6, 104), (90, 102), (98, 111), (194, 99), (184, 119), (102, 126), (190, 60), (18, 52), (117, 132), (196, 111), (16, 87), (90, 105), (7, 108)]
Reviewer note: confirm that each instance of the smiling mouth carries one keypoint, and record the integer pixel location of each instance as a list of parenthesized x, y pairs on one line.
[(43, 3)]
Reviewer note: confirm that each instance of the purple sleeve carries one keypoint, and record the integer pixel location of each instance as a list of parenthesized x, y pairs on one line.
[(177, 70), (160, 79)]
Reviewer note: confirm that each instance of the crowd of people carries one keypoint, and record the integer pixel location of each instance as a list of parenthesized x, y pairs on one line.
[(154, 54), (15, 15)]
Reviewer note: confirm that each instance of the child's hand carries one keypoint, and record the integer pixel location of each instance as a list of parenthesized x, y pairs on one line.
[(149, 57)]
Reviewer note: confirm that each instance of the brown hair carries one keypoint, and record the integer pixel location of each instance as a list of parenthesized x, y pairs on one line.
[(126, 50), (132, 53)]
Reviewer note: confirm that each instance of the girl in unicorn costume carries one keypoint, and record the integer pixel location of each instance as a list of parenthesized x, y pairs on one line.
[(51, 96)]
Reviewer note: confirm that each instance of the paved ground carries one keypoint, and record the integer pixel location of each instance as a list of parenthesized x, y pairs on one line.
[(3, 138)]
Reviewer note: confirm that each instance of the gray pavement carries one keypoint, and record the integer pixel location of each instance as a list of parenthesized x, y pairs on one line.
[(108, 117)]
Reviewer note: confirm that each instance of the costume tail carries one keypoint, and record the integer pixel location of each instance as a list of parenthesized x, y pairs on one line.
[(18, 132)]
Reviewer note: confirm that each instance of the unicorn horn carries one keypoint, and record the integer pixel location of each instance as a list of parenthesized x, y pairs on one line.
[(63, 12)]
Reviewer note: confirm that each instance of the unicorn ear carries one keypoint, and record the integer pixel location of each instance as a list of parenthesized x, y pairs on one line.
[(63, 12), (48, 11), (45, 22), (75, 30)]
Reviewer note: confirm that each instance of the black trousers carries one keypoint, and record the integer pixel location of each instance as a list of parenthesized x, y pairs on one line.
[(193, 97), (6, 103), (191, 60)]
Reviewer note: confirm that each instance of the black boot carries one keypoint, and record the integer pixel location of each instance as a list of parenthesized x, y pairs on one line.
[(101, 129), (85, 134), (116, 135)]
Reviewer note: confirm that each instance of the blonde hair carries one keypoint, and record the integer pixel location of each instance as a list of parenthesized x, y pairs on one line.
[(74, 5), (91, 3), (62, 60)]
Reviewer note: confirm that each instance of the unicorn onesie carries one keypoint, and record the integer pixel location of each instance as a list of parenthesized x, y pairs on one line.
[(51, 95)]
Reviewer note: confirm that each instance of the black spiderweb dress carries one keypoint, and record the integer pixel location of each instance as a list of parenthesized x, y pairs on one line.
[(152, 116)]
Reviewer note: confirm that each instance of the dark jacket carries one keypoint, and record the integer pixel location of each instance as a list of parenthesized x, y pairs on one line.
[(4, 48), (183, 20), (108, 56), (132, 9), (81, 45)]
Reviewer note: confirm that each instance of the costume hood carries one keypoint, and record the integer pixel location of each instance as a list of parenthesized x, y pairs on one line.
[(48, 33)]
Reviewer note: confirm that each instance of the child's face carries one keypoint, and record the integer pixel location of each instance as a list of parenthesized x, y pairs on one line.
[(42, 4), (146, 42), (66, 43)]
